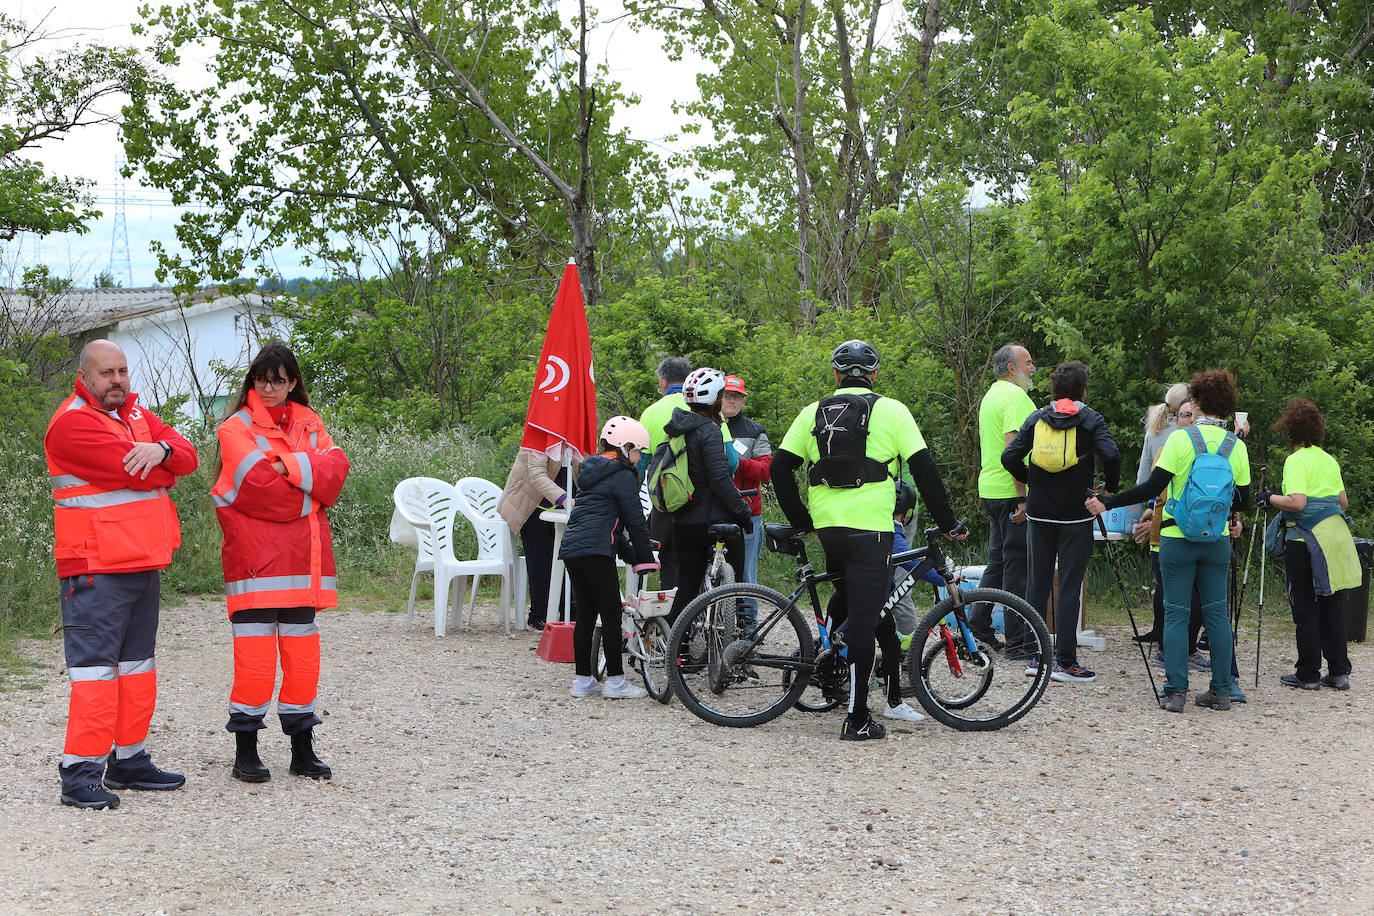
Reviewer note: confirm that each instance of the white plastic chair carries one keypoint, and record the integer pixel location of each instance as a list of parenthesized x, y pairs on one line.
[(479, 499), (431, 506)]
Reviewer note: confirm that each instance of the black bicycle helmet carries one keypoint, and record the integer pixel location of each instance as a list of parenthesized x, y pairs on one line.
[(854, 358), (906, 498)]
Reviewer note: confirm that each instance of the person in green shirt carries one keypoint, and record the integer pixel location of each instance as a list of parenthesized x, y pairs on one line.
[(851, 499), (1312, 485), (1184, 563), (1003, 409), (672, 372)]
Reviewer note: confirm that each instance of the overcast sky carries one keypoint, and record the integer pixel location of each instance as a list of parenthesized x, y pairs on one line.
[(637, 62)]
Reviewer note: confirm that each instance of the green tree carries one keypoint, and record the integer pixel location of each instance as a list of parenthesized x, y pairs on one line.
[(45, 95), (359, 131)]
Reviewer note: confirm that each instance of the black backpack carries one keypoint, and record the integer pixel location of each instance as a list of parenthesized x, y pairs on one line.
[(841, 432)]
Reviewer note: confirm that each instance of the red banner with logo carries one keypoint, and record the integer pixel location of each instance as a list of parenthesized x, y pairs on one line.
[(562, 412)]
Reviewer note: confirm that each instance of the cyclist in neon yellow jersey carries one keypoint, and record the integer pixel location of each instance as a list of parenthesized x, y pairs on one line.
[(853, 441)]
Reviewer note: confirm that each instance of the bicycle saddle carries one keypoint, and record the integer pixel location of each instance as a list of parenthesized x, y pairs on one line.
[(722, 532)]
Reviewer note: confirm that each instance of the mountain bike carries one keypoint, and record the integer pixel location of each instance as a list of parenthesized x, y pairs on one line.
[(743, 679)]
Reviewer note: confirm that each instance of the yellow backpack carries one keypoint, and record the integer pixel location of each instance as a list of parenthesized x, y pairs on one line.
[(1052, 449)]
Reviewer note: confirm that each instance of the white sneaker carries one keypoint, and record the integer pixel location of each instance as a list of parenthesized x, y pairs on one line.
[(903, 712), (585, 687), (620, 688)]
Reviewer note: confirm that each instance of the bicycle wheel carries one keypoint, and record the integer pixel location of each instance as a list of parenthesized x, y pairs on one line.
[(654, 666), (754, 680), (978, 688), (598, 656)]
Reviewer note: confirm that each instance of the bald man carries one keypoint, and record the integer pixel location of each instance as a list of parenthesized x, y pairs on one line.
[(111, 463)]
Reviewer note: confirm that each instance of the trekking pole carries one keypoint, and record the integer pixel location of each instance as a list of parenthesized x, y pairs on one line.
[(1126, 601), (1255, 529), (1259, 624)]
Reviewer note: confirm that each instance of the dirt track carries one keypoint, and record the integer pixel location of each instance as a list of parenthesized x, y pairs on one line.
[(466, 779)]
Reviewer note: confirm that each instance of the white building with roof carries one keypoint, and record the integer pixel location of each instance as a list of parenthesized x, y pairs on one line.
[(193, 350)]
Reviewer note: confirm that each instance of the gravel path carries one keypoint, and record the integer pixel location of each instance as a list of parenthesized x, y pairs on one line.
[(467, 780)]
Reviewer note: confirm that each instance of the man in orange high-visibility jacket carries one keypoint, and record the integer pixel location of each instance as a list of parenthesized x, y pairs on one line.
[(111, 463)]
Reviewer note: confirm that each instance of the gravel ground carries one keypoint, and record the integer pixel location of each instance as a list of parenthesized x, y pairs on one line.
[(466, 779)]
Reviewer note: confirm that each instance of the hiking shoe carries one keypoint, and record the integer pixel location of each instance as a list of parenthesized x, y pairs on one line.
[(621, 689), (588, 688), (1074, 674), (139, 772), (1215, 701), (1199, 661), (868, 731), (1174, 702), (91, 795), (989, 638), (1158, 660), (1151, 636), (1033, 666), (1236, 694), (1292, 680), (1336, 681), (903, 713)]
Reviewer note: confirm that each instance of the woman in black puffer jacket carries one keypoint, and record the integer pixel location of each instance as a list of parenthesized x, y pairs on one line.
[(714, 497), (607, 506)]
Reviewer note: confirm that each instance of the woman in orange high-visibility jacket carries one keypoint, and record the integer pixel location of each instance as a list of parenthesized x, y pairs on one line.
[(279, 471)]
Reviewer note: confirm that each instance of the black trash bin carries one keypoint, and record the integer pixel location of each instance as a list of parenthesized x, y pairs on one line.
[(1356, 600)]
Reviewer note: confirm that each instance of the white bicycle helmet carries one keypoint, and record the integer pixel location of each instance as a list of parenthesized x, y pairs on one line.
[(625, 433), (704, 386)]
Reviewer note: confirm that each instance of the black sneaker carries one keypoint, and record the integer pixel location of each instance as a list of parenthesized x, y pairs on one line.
[(92, 795), (989, 639), (1146, 637), (1292, 680), (1336, 681), (868, 731), (143, 775)]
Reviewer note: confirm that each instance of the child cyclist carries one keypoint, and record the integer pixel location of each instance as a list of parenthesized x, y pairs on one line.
[(607, 506)]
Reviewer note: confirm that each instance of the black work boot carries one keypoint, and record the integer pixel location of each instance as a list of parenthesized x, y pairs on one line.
[(248, 765), (303, 759)]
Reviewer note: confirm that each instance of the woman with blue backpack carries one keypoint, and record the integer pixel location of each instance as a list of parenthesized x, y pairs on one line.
[(1206, 471)]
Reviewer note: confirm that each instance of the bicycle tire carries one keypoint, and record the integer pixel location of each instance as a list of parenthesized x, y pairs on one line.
[(654, 668), (763, 680), (1008, 693), (598, 657)]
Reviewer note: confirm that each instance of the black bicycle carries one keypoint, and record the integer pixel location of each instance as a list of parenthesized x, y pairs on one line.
[(745, 677)]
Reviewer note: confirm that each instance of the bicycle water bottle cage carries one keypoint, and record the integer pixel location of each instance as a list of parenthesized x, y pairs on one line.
[(722, 532), (782, 539)]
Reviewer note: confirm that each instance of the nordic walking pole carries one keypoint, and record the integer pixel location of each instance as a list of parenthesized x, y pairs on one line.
[(1126, 601), (1259, 623), (1245, 578)]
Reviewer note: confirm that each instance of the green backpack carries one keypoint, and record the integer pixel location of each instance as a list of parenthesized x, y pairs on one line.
[(670, 485)]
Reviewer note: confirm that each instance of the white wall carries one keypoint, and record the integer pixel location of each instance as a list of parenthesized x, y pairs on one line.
[(188, 351)]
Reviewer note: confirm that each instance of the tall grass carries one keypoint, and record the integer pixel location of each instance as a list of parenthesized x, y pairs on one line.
[(360, 519)]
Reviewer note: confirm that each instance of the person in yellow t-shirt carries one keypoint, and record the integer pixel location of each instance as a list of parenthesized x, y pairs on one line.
[(851, 500), (1311, 479), (1184, 563), (1002, 411)]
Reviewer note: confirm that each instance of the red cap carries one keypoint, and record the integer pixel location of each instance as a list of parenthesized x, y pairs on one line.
[(735, 384)]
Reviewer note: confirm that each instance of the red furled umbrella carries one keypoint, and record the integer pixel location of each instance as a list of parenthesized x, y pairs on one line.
[(561, 420)]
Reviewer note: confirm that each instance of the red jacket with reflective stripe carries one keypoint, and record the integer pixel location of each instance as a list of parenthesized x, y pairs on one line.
[(105, 519), (278, 549)]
